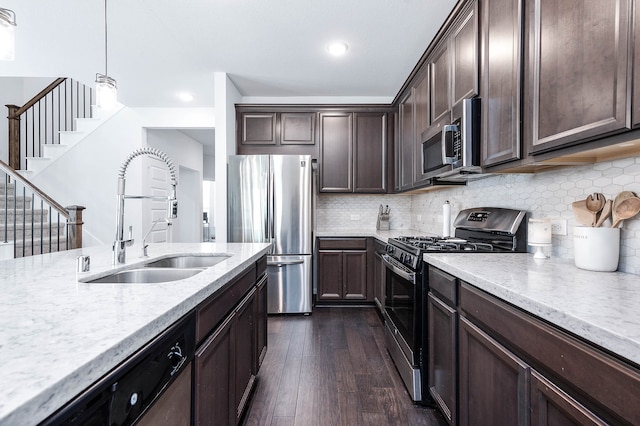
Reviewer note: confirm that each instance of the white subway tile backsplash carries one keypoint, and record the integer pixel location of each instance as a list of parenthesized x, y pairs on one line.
[(544, 195)]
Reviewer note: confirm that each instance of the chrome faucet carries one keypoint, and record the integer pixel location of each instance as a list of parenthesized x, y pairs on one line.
[(153, 225), (120, 244)]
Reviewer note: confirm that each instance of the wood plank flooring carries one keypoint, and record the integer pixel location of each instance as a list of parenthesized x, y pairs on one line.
[(332, 368)]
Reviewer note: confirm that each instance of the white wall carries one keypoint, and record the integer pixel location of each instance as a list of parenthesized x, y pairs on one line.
[(226, 96)]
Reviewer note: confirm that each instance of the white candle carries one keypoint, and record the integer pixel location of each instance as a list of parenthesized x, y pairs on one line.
[(539, 231)]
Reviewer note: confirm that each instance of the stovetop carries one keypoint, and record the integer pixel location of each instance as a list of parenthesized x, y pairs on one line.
[(479, 230)]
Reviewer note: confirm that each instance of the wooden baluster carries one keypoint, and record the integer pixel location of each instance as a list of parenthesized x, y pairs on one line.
[(74, 227), (14, 136)]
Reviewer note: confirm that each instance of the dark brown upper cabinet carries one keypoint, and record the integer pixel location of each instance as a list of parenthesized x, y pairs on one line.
[(353, 152), (464, 61), (261, 130), (576, 71), (422, 122), (439, 70), (500, 49), (406, 144), (636, 68)]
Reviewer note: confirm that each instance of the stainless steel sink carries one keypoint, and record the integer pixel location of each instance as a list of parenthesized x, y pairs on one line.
[(188, 261), (147, 275)]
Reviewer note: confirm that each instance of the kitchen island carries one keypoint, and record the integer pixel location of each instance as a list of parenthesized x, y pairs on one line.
[(59, 335)]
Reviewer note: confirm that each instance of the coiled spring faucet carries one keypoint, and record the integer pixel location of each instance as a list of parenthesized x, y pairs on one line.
[(120, 244)]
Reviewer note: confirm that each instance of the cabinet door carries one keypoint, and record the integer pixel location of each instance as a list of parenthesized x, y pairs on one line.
[(493, 382), (261, 324), (422, 122), (336, 152), (500, 80), (635, 101), (297, 128), (550, 406), (440, 87), (576, 70), (442, 332), (244, 350), (174, 405), (370, 136), (378, 279), (329, 275), (355, 275), (407, 142), (258, 129), (214, 382), (464, 46)]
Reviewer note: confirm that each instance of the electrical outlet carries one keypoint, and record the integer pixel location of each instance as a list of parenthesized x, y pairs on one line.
[(558, 226), (355, 217)]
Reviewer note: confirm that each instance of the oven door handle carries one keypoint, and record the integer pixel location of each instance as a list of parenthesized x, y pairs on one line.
[(404, 273)]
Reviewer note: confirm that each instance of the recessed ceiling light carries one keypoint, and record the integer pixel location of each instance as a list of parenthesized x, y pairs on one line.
[(185, 97), (337, 48)]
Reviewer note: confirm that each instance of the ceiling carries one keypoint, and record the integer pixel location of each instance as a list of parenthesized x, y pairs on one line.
[(269, 48)]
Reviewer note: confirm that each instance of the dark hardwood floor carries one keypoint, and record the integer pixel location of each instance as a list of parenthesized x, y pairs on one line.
[(332, 368)]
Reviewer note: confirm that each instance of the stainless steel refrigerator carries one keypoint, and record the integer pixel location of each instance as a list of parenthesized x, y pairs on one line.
[(269, 200)]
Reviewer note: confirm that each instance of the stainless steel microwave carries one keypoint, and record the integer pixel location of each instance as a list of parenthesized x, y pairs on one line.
[(451, 146)]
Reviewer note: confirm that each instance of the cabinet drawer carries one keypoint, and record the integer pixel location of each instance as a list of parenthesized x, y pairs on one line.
[(444, 285), (607, 383), (342, 243), (213, 310), (261, 267)]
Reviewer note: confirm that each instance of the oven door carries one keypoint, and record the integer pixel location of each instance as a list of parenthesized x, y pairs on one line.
[(402, 315), (402, 305)]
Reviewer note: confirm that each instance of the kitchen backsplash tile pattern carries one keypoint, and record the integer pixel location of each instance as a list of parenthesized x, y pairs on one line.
[(544, 195)]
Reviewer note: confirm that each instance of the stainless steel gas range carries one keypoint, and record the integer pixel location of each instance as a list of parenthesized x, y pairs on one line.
[(477, 230)]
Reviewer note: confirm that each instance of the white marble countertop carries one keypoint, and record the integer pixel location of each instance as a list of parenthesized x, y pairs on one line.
[(360, 232), (601, 307), (58, 336)]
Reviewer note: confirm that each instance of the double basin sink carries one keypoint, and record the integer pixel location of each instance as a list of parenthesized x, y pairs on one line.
[(168, 269)]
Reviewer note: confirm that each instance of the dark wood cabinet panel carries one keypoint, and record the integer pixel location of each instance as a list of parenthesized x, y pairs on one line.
[(635, 100), (336, 152), (500, 80), (550, 406), (493, 382), (258, 129), (576, 71), (423, 121), (407, 142), (370, 152), (214, 382), (464, 46), (297, 128), (442, 332), (330, 275), (174, 405), (440, 87), (244, 352), (261, 324), (355, 275)]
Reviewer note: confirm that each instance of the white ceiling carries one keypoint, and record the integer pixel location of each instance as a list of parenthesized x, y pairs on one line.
[(269, 48)]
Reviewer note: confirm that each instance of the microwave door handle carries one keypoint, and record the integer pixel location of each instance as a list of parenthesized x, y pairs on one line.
[(448, 153)]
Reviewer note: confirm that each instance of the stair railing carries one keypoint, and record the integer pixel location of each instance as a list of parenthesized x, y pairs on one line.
[(32, 220), (40, 121)]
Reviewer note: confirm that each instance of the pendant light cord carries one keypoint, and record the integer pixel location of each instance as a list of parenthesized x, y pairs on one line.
[(105, 39)]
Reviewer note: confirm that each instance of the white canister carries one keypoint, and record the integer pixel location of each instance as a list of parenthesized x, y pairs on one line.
[(596, 249)]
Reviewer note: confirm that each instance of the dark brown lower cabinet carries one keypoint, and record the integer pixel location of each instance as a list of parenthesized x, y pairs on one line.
[(174, 405), (342, 270), (442, 331), (494, 386), (551, 406), (244, 352), (261, 324), (213, 378)]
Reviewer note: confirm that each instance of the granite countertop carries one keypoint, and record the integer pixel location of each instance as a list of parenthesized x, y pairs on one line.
[(601, 307), (58, 335)]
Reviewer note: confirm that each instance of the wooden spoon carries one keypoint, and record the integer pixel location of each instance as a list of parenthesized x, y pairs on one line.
[(626, 209), (595, 202), (605, 213), (616, 202), (582, 214)]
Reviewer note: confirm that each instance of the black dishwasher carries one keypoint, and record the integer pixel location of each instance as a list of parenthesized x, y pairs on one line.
[(125, 394)]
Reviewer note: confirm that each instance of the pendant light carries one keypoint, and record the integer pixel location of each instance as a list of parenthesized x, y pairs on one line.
[(106, 89), (7, 35)]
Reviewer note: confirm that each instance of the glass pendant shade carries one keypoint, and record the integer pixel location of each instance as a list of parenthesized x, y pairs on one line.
[(7, 35), (106, 92)]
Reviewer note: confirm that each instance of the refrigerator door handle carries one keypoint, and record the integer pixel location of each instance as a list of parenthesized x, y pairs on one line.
[(284, 263)]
